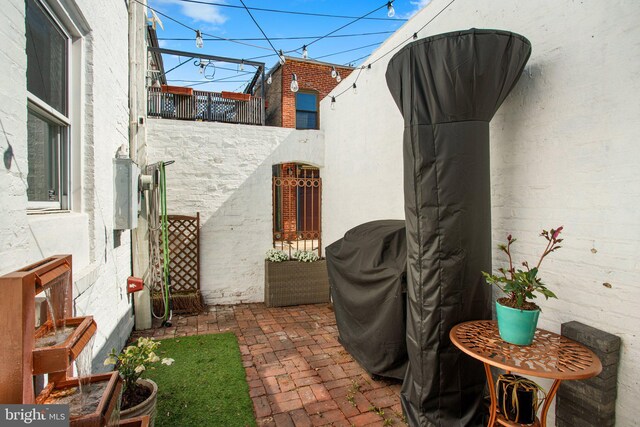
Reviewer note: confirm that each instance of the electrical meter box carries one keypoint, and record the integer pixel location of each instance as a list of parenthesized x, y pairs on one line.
[(126, 195)]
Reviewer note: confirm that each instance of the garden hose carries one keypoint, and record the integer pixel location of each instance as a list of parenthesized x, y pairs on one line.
[(164, 234)]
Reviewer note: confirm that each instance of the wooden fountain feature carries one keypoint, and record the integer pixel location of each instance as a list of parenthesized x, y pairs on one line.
[(50, 347)]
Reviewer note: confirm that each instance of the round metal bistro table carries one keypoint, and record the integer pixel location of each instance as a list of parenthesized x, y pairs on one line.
[(549, 356)]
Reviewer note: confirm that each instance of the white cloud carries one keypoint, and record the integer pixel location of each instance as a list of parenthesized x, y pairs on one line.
[(203, 13), (418, 5), (199, 12)]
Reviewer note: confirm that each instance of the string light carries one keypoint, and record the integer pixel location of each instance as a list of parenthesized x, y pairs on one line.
[(241, 66), (281, 57), (269, 80), (305, 52), (294, 82), (338, 78), (390, 10), (334, 73), (369, 66), (292, 12), (199, 41), (333, 102), (415, 36)]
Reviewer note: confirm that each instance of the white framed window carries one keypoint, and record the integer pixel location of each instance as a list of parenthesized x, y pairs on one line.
[(52, 41)]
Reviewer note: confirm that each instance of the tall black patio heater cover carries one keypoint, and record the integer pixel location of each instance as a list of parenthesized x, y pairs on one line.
[(448, 88)]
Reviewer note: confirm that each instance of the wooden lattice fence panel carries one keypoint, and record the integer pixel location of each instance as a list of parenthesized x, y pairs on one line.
[(184, 265)]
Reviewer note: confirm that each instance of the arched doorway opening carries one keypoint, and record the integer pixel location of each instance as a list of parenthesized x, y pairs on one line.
[(297, 197)]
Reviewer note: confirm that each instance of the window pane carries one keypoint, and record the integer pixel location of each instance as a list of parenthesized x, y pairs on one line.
[(44, 165), (306, 102), (306, 120), (46, 58)]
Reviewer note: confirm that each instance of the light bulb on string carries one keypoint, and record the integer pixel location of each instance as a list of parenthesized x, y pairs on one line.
[(333, 102), (334, 73), (269, 80), (338, 78), (390, 10), (241, 66), (199, 41), (305, 52), (281, 57), (355, 89), (294, 83)]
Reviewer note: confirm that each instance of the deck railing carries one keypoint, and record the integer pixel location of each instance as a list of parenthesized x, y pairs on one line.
[(205, 106)]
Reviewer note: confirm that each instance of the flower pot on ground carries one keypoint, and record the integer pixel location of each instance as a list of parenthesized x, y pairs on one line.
[(148, 388), (300, 280), (138, 395), (518, 316)]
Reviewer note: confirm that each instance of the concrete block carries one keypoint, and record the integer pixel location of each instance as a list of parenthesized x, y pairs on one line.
[(593, 408), (591, 337), (574, 420), (607, 380), (579, 391)]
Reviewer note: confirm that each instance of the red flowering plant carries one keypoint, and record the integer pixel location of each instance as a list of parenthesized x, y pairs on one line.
[(520, 284)]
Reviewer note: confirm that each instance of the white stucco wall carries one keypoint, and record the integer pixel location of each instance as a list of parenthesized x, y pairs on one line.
[(224, 172), (100, 126), (563, 152)]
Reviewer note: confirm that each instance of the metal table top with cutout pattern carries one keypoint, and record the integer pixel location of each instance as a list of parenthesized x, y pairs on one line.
[(549, 356)]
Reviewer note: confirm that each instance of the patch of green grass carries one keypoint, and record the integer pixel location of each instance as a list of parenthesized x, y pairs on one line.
[(206, 384)]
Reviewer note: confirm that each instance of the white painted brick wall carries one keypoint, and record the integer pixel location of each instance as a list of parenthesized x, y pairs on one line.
[(14, 231), (223, 171), (99, 283), (564, 151)]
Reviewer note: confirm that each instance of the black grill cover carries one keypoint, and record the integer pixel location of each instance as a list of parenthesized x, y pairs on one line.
[(448, 88), (367, 276)]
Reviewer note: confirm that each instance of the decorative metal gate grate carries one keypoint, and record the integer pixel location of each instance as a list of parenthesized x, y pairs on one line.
[(297, 195)]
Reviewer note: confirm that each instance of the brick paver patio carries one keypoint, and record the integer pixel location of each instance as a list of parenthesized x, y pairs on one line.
[(297, 371)]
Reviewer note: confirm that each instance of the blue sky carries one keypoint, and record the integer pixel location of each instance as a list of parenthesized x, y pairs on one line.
[(230, 22)]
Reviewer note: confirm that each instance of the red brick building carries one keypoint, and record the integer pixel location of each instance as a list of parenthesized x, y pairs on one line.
[(299, 109)]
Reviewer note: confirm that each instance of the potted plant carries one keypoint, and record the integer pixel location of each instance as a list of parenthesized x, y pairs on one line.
[(517, 315), (138, 394), (300, 280)]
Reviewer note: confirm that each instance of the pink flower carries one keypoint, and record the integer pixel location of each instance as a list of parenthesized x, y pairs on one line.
[(557, 233)]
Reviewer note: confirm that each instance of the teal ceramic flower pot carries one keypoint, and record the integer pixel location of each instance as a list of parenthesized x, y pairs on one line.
[(516, 326)]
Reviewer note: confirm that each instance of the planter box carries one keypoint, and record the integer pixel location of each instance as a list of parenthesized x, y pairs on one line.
[(177, 90), (295, 283), (59, 357), (142, 421), (235, 96), (97, 412)]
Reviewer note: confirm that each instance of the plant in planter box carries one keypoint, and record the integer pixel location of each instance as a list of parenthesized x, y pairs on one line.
[(138, 395), (305, 256), (300, 280), (517, 315), (275, 255)]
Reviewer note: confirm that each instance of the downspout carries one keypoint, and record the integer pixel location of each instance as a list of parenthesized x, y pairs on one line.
[(137, 152)]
